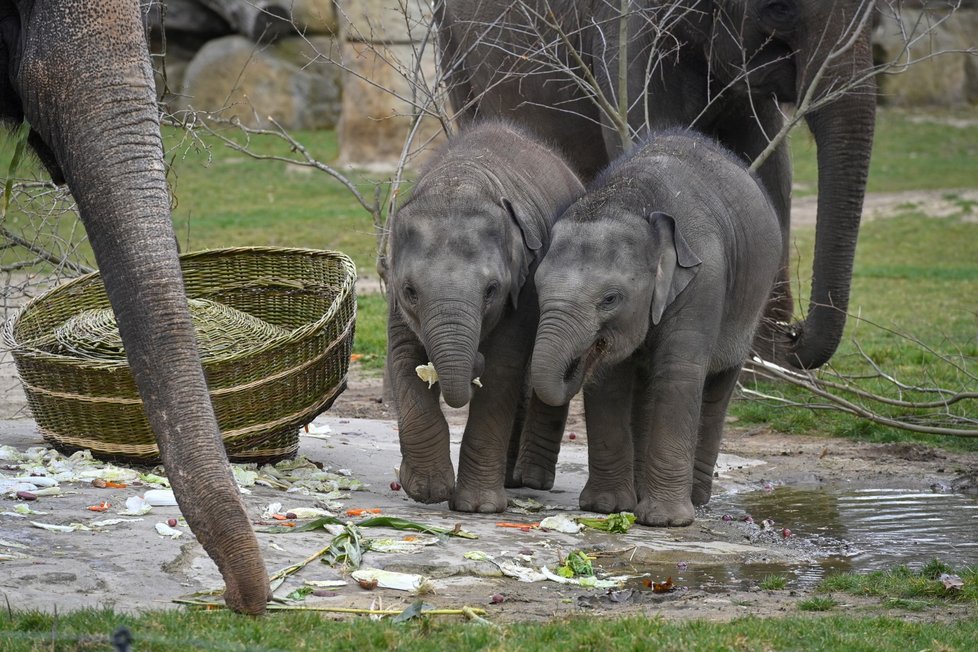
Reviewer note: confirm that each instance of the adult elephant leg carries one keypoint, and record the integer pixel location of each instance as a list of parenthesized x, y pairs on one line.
[(87, 90), (543, 430), (748, 138), (716, 398), (426, 471), (607, 409), (492, 415)]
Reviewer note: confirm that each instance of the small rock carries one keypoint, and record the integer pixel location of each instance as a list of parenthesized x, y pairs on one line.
[(498, 598)]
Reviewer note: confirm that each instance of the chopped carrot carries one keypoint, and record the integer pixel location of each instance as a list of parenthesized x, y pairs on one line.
[(361, 512), (115, 485), (356, 357), (101, 507), (410, 538), (280, 517)]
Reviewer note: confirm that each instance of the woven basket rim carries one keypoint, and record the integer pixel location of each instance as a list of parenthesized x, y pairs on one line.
[(9, 330)]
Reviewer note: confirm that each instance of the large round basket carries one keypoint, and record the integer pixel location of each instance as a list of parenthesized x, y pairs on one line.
[(275, 330)]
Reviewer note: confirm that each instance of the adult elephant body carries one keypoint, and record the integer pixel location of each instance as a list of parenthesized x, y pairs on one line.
[(79, 72), (462, 253), (717, 66)]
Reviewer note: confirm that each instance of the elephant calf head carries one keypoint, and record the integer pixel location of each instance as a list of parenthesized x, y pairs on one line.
[(463, 246), (608, 277)]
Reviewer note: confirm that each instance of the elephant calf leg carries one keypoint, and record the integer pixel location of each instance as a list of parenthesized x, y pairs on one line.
[(536, 467), (610, 486), (716, 398)]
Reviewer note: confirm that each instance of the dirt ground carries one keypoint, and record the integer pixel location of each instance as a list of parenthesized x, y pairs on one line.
[(716, 564)]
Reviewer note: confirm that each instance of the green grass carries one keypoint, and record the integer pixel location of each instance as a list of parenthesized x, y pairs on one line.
[(773, 582), (164, 631), (906, 588), (912, 150), (818, 603), (913, 301)]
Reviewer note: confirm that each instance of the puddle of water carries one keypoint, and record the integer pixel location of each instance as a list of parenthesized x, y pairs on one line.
[(861, 530), (843, 530)]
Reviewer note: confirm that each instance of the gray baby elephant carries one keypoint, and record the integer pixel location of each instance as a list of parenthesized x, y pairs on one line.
[(650, 294), (462, 253)]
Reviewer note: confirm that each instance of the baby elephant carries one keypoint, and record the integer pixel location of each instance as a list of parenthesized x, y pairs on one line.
[(462, 253), (649, 297)]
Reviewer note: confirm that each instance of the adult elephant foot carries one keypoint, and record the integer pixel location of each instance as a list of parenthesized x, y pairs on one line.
[(662, 513), (430, 485), (483, 500), (603, 499)]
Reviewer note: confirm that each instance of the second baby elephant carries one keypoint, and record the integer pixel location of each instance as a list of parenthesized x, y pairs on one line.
[(649, 297), (462, 252)]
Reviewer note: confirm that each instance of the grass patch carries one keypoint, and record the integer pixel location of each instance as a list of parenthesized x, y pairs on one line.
[(908, 589), (913, 149), (912, 313), (90, 630), (818, 603), (773, 582)]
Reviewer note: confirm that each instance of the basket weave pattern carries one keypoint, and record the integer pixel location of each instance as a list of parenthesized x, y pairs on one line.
[(275, 328)]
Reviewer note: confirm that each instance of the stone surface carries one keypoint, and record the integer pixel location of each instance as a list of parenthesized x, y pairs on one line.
[(944, 80), (378, 110), (384, 21), (234, 77)]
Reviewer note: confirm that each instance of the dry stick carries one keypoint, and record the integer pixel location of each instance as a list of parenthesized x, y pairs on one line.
[(621, 126), (379, 612), (806, 381)]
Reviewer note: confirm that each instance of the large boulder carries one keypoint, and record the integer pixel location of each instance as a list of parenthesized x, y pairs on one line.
[(383, 91), (384, 21), (293, 80), (942, 72), (385, 85)]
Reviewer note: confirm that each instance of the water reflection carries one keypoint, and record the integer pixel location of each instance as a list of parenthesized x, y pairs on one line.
[(854, 530)]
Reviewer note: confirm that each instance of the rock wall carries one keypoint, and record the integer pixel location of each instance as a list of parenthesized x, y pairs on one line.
[(348, 64), (944, 50)]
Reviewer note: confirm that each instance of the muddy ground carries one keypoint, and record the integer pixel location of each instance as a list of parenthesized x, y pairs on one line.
[(716, 565)]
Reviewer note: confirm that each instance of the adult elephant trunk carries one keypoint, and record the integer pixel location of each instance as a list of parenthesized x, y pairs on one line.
[(451, 338), (87, 90), (558, 365), (843, 132)]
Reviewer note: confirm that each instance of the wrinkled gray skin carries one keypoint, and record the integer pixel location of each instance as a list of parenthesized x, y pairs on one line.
[(79, 72), (494, 69), (462, 252), (649, 297)]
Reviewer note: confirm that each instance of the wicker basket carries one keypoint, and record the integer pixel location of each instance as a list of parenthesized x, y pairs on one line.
[(275, 328)]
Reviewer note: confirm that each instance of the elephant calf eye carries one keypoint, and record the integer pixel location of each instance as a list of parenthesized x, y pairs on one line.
[(410, 294), (610, 300), (490, 292)]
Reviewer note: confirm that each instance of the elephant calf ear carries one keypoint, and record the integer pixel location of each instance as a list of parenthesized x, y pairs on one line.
[(530, 231), (677, 263)]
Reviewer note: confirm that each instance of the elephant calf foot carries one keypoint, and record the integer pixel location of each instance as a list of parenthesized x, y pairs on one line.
[(607, 500), (702, 490), (664, 513), (484, 500), (431, 486), (534, 476)]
